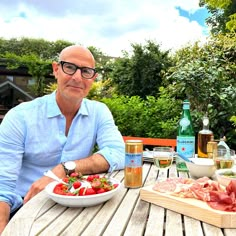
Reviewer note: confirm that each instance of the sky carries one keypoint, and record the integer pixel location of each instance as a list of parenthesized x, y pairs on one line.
[(111, 26)]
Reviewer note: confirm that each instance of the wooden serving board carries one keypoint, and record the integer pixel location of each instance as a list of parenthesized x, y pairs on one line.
[(190, 207)]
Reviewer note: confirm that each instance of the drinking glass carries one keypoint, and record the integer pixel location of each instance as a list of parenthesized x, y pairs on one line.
[(162, 158), (224, 158)]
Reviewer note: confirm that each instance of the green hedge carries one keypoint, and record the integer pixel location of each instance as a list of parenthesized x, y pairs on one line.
[(151, 117)]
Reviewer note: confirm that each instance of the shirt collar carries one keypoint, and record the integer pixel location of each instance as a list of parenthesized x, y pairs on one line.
[(53, 109)]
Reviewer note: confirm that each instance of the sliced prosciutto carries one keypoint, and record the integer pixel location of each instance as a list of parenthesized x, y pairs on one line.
[(224, 201), (203, 189), (171, 185)]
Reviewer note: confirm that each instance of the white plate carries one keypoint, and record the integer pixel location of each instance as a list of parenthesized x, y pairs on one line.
[(81, 201), (148, 156)]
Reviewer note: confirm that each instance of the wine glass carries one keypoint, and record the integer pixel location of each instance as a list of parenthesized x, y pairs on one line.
[(224, 158), (163, 158)]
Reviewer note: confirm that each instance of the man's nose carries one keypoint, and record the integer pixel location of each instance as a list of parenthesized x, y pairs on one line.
[(77, 75)]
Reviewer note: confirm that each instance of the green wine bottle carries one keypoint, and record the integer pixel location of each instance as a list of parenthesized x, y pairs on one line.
[(185, 137)]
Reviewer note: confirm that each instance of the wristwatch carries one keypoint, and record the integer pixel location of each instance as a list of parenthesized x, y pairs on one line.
[(69, 167)]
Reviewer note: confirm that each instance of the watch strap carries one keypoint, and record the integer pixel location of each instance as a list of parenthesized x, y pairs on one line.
[(64, 167), (69, 167)]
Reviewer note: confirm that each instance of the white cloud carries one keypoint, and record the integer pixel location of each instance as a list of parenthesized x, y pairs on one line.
[(108, 25)]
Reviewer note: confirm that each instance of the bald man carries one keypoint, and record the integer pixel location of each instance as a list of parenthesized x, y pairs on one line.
[(58, 132)]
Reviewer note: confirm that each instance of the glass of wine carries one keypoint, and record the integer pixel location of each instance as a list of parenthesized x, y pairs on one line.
[(162, 158), (224, 158)]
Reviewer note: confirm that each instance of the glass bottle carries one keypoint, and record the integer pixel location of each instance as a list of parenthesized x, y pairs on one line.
[(185, 137), (204, 136), (222, 144), (224, 159)]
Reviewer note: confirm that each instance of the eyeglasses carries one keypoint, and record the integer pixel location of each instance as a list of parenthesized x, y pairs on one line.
[(70, 69)]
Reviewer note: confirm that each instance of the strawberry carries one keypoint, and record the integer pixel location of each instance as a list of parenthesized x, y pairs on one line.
[(74, 174), (86, 191), (96, 184), (115, 185), (76, 185), (107, 187), (60, 189), (90, 191), (96, 177), (90, 178), (77, 175), (66, 179), (101, 190)]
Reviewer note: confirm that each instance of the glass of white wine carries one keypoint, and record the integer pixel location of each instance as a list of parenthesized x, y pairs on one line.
[(163, 158)]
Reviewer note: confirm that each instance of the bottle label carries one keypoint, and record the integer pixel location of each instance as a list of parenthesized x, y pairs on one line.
[(186, 146), (133, 159), (184, 123)]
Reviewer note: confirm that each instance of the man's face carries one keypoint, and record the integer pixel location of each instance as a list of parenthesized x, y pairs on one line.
[(73, 87)]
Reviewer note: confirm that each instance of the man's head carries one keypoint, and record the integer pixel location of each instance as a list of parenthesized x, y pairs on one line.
[(75, 73)]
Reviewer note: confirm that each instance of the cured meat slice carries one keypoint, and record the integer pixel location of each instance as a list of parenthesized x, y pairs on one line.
[(204, 189), (224, 201), (170, 185)]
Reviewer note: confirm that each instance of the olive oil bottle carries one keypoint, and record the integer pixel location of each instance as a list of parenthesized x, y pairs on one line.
[(204, 136)]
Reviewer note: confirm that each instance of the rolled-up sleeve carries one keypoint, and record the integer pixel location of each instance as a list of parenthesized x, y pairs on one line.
[(109, 139), (11, 152)]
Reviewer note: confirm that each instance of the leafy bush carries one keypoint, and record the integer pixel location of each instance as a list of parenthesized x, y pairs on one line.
[(150, 117)]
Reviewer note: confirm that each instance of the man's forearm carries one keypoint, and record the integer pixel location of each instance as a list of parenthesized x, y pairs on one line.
[(4, 215), (92, 165)]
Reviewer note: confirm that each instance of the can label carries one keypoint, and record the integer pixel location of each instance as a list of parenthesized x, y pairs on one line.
[(133, 159)]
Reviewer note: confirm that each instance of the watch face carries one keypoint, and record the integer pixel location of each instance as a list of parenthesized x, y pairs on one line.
[(70, 165)]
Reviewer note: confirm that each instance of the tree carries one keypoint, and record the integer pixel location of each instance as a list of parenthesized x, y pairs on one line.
[(39, 47), (223, 15), (141, 74), (39, 68), (206, 76)]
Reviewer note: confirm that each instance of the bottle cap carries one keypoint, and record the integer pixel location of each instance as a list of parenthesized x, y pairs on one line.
[(205, 121)]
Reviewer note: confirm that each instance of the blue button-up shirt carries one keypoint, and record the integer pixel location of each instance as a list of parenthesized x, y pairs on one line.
[(32, 140)]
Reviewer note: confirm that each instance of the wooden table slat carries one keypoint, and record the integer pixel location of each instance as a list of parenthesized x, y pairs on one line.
[(173, 224), (155, 221), (210, 230), (138, 219), (52, 220), (192, 227)]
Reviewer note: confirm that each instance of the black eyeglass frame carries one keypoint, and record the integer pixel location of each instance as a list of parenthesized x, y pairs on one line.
[(82, 68)]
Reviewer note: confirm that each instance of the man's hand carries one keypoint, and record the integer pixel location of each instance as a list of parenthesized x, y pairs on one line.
[(37, 187), (41, 183)]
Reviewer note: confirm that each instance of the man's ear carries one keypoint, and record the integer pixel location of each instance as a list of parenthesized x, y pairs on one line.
[(55, 68), (95, 76)]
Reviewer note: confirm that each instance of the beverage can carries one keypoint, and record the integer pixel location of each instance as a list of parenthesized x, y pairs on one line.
[(133, 163)]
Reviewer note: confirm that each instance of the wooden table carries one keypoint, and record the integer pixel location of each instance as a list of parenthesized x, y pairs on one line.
[(124, 214)]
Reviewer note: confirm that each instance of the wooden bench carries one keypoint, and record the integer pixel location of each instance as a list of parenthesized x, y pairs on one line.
[(154, 141)]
